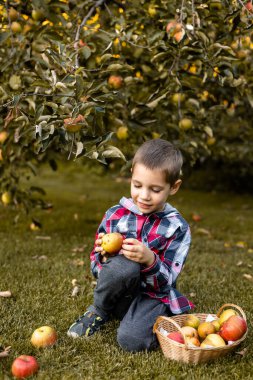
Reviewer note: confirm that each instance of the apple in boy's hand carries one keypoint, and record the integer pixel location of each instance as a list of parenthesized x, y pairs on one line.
[(176, 336), (112, 242), (24, 366), (43, 337)]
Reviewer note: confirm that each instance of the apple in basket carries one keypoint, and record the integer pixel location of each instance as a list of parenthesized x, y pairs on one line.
[(176, 336), (206, 328), (213, 340), (189, 332), (192, 341), (233, 328), (225, 315), (192, 321)]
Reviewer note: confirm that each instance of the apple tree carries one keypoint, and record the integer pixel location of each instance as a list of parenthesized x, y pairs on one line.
[(94, 79)]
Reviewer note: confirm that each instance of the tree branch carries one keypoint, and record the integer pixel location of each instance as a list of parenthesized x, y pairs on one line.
[(97, 4)]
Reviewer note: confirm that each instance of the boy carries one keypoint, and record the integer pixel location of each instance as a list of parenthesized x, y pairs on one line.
[(139, 283)]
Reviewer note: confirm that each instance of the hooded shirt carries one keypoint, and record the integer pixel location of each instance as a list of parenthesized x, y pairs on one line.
[(166, 234)]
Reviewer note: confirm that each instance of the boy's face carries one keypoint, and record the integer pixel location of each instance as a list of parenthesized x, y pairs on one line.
[(149, 189)]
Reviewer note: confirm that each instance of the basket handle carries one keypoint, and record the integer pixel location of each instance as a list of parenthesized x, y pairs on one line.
[(234, 306), (161, 318)]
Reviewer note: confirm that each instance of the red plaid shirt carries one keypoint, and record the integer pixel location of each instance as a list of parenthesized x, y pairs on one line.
[(167, 234)]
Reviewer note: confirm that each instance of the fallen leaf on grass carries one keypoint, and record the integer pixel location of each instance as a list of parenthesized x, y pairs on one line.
[(75, 291), (239, 263), (6, 352), (242, 352), (37, 257), (78, 262), (79, 249), (241, 244), (43, 237), (203, 231), (192, 294), (250, 250), (6, 293), (248, 277)]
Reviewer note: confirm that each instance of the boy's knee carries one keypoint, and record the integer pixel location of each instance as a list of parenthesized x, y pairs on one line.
[(120, 267)]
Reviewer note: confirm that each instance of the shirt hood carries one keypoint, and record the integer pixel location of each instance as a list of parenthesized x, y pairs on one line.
[(129, 204)]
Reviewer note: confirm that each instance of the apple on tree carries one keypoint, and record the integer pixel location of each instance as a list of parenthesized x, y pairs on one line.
[(24, 366)]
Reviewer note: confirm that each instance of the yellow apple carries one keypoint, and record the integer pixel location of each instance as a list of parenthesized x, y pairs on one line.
[(213, 340), (216, 324), (6, 198), (206, 328), (192, 341), (122, 133), (112, 242), (16, 27), (192, 321), (189, 331), (44, 336), (225, 315), (185, 124), (3, 136)]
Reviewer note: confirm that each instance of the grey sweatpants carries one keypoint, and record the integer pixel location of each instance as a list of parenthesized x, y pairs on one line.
[(118, 293)]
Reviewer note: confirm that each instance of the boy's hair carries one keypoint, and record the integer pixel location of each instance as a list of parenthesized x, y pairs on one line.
[(160, 154)]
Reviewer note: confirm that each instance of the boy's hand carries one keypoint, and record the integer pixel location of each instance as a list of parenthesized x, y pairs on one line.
[(99, 249), (135, 250)]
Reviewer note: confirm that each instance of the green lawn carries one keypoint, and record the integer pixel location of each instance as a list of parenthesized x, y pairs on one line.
[(39, 266)]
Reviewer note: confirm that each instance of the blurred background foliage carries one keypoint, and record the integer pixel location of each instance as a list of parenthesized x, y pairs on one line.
[(91, 80)]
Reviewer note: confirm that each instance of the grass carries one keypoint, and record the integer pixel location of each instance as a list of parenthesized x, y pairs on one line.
[(39, 273)]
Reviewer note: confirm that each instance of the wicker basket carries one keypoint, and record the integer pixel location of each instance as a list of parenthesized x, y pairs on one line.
[(182, 352)]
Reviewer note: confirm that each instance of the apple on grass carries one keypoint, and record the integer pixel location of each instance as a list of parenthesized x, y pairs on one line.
[(43, 337), (24, 366)]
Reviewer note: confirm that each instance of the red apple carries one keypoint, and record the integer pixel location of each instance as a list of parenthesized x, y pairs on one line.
[(196, 217), (44, 336), (234, 328), (249, 6), (177, 336), (24, 366), (115, 81)]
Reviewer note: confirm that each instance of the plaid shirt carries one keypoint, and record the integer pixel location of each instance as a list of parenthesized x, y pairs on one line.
[(167, 234)]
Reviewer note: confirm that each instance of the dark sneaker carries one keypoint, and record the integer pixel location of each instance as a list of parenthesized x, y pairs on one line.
[(86, 325)]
